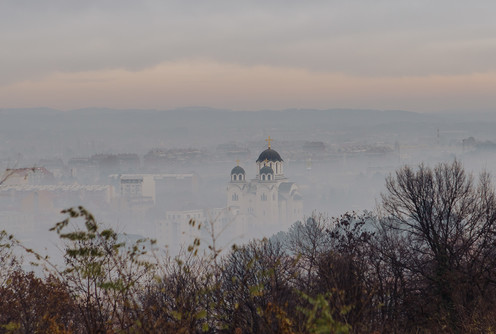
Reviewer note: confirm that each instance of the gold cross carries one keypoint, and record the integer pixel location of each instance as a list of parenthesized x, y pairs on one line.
[(269, 140), (237, 162), (266, 160)]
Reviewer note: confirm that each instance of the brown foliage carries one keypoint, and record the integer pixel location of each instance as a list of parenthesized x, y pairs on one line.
[(34, 305)]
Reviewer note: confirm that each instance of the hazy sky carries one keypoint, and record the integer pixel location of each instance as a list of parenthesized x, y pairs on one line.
[(414, 55)]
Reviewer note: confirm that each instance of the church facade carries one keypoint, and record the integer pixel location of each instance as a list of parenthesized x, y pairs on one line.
[(269, 198)]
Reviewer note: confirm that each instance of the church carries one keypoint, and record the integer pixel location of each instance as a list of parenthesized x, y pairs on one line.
[(269, 199)]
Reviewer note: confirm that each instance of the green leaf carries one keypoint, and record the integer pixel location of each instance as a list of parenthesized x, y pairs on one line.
[(11, 326), (176, 315), (201, 315)]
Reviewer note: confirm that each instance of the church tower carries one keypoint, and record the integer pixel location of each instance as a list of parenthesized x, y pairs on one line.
[(270, 158), (269, 199), (235, 188)]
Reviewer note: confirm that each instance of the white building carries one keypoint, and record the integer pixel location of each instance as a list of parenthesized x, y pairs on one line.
[(138, 185), (259, 207), (268, 200), (180, 228), (147, 190)]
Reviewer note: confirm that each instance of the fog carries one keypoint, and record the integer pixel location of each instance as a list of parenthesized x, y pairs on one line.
[(182, 159)]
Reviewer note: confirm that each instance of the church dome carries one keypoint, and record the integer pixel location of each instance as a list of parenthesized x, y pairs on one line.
[(269, 155), (237, 170), (266, 170)]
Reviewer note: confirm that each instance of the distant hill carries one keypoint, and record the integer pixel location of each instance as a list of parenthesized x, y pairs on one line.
[(133, 130)]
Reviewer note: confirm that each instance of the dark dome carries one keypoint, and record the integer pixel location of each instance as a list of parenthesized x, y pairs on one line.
[(266, 170), (237, 170), (269, 155)]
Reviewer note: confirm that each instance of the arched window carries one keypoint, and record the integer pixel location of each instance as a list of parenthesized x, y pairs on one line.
[(268, 177), (234, 177), (263, 197), (240, 177), (263, 177), (235, 197)]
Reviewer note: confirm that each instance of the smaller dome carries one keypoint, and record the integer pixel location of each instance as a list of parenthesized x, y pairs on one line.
[(266, 170), (237, 170)]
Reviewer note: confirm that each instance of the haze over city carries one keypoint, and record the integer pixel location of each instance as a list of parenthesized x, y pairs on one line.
[(349, 91), (247, 167)]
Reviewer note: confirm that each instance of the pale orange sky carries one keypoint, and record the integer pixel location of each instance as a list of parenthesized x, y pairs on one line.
[(179, 84), (263, 55)]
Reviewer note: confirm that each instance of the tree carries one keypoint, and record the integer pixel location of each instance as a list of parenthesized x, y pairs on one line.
[(256, 288), (104, 275), (307, 241), (448, 222), (9, 262), (179, 299), (29, 304)]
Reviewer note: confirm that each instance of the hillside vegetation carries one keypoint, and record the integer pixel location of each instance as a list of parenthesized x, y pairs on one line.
[(424, 262)]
